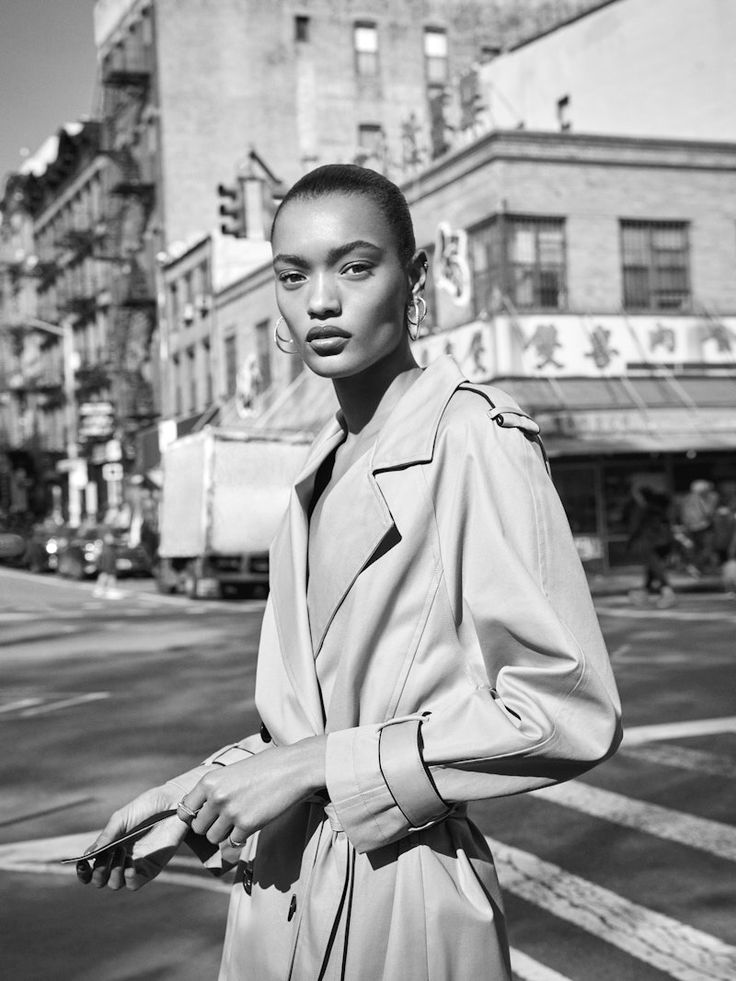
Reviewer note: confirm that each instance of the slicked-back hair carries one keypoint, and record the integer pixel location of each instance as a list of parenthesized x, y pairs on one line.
[(351, 180)]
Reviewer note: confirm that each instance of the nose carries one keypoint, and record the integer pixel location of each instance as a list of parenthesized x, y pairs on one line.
[(324, 300)]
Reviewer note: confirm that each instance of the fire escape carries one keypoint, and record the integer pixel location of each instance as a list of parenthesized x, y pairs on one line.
[(129, 204)]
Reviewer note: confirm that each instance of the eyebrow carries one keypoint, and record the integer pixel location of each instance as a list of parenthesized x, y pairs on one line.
[(333, 256)]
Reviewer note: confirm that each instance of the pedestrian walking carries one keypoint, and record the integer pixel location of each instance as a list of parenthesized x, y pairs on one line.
[(697, 508), (429, 640), (650, 532), (107, 575)]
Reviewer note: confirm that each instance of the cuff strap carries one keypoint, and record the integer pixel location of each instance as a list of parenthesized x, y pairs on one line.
[(407, 778)]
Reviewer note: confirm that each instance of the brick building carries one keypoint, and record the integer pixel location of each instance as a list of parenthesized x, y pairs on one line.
[(590, 276)]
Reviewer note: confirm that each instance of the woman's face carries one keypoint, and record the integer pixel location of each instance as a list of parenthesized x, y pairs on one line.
[(340, 284)]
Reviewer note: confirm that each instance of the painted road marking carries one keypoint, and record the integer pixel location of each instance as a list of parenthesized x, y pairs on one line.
[(710, 616), (527, 969), (20, 703), (677, 949), (711, 764), (709, 836), (636, 735), (46, 707)]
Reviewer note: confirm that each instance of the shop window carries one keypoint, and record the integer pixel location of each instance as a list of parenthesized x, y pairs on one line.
[(231, 364), (521, 260), (435, 56), (655, 264), (365, 40)]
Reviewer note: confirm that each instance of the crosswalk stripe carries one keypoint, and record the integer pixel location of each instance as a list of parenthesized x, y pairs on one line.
[(628, 613), (93, 696), (709, 836), (636, 735), (675, 948), (527, 969), (712, 764)]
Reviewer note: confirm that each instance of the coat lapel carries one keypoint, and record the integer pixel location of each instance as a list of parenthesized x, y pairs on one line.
[(358, 543), (289, 583), (407, 437)]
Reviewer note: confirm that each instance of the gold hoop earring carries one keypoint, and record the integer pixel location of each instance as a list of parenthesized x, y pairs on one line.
[(419, 309), (279, 341)]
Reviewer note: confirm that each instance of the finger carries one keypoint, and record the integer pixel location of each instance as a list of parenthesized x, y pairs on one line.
[(102, 868), (205, 818), (219, 830), (117, 877), (84, 872), (191, 803)]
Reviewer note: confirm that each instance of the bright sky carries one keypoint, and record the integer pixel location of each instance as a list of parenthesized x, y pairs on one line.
[(47, 71)]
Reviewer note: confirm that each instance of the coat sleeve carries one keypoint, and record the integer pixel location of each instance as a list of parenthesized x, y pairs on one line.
[(534, 701)]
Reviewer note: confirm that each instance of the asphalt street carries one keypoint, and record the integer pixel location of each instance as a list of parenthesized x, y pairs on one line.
[(626, 874)]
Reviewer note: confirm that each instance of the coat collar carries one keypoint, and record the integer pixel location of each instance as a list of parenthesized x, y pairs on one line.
[(408, 436), (409, 433)]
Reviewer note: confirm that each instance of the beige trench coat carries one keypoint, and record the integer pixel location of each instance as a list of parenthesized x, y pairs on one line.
[(471, 666)]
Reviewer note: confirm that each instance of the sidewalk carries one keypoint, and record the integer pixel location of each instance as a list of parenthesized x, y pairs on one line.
[(621, 580)]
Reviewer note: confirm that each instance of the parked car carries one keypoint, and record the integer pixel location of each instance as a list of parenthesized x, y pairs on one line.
[(43, 546), (12, 547), (79, 557)]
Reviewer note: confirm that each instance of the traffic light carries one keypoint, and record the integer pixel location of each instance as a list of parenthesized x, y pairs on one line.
[(232, 210)]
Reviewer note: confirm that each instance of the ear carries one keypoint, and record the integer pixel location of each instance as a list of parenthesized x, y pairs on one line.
[(418, 271)]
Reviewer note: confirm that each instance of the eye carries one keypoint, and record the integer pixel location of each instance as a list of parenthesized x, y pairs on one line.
[(291, 278), (358, 269)]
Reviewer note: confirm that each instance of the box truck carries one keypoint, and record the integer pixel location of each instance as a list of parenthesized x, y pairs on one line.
[(223, 495)]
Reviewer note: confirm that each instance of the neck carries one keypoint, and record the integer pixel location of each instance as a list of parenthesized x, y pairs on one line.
[(368, 397)]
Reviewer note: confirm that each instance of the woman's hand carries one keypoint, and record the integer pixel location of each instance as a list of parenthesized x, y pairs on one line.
[(135, 864), (236, 800)]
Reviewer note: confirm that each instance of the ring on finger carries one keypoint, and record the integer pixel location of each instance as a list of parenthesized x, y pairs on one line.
[(189, 814), (234, 841)]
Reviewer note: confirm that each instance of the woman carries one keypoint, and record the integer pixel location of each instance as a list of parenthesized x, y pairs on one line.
[(429, 640)]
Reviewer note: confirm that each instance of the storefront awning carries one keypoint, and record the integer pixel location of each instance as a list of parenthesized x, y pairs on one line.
[(635, 414)]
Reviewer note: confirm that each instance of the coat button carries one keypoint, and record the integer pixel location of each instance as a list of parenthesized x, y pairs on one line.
[(292, 909)]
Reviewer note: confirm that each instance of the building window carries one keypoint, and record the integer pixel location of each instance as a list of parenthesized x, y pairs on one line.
[(174, 305), (435, 56), (655, 261), (207, 362), (263, 354), (231, 364), (192, 378), (520, 260), (370, 142), (365, 40), (177, 385), (301, 28)]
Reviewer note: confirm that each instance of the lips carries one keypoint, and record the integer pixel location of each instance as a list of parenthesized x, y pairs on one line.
[(325, 332)]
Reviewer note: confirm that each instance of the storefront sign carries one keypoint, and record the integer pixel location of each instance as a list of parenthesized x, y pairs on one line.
[(471, 347), (612, 345), (451, 270), (96, 420)]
